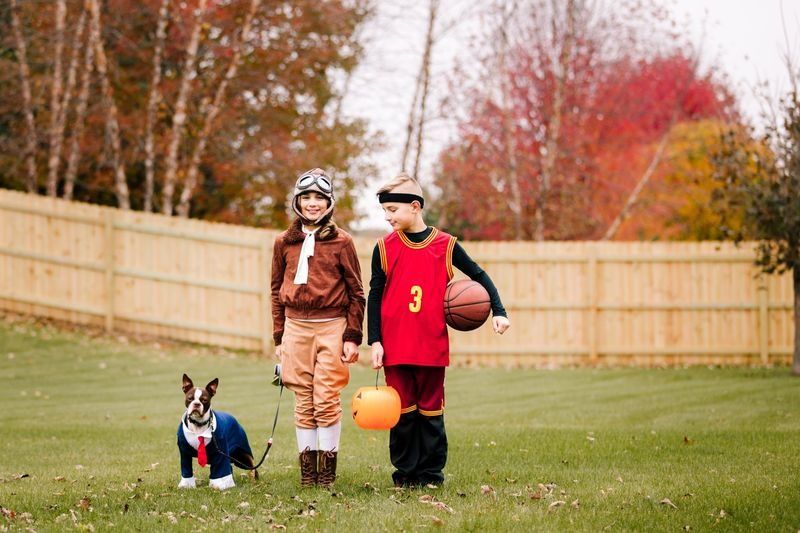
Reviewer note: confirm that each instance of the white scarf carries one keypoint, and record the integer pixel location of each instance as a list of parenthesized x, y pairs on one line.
[(301, 277)]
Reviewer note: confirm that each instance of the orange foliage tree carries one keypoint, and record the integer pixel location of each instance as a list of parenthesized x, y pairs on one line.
[(206, 107)]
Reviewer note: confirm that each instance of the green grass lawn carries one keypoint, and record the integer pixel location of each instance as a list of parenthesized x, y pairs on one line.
[(88, 441)]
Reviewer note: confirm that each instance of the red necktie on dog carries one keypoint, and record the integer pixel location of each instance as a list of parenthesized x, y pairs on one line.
[(202, 459)]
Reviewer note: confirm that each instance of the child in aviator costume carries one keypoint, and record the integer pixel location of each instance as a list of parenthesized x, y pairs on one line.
[(317, 312)]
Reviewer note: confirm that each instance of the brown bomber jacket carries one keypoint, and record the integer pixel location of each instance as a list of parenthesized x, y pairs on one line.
[(334, 286)]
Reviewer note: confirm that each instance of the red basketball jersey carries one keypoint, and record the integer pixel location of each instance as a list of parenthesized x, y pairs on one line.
[(413, 329)]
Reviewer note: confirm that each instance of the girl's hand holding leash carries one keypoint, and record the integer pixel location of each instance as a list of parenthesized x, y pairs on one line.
[(500, 324), (350, 354), (377, 355)]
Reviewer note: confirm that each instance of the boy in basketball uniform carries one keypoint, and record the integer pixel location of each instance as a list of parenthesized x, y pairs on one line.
[(407, 331)]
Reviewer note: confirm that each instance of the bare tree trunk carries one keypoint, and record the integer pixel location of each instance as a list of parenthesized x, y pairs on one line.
[(57, 141), (112, 124), (55, 98), (554, 128), (212, 110), (426, 63), (27, 101), (796, 356), (152, 105), (412, 114), (80, 113), (634, 196), (515, 195), (179, 117)]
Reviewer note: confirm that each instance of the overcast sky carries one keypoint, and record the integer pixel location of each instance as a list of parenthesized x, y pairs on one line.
[(746, 39)]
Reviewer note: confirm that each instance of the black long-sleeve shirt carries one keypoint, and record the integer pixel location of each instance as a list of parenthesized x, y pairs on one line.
[(461, 260)]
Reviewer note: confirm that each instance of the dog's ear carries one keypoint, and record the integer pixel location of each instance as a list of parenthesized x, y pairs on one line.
[(187, 384), (212, 386)]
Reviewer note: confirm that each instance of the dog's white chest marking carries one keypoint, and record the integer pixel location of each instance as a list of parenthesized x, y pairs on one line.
[(191, 436)]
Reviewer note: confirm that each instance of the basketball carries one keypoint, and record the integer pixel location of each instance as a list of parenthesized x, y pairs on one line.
[(466, 305)]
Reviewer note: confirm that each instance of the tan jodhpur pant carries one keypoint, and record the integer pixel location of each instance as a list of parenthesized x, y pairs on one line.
[(312, 368)]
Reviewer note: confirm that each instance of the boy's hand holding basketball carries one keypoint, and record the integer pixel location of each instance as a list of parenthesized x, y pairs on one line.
[(500, 324), (377, 355), (350, 354)]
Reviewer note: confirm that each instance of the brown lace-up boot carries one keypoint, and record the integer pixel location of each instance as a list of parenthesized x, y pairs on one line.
[(327, 468), (308, 467)]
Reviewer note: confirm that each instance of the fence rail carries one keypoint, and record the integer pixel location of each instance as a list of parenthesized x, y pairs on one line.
[(569, 302)]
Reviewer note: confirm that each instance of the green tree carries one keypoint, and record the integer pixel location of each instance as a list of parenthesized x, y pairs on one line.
[(765, 188)]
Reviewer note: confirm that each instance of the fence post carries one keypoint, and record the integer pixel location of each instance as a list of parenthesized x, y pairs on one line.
[(592, 318), (109, 268), (264, 294), (763, 319)]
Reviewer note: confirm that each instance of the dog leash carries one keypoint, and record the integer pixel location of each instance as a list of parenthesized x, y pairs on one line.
[(269, 442)]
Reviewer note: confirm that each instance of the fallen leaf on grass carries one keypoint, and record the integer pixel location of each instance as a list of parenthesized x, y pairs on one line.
[(435, 520), (59, 478), (443, 507), (8, 513), (487, 489), (687, 440), (436, 504), (555, 505), (21, 476), (575, 504), (667, 501)]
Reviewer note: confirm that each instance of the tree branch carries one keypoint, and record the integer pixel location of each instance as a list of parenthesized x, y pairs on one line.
[(55, 100), (179, 117), (112, 124), (152, 105), (212, 111), (27, 101), (80, 113)]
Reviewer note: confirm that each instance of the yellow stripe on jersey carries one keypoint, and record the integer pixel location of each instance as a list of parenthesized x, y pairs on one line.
[(450, 247), (418, 245), (382, 250)]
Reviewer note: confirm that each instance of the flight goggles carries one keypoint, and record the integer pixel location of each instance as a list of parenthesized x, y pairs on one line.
[(308, 180)]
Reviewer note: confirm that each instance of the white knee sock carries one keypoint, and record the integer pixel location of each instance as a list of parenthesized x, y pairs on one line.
[(329, 437), (306, 438)]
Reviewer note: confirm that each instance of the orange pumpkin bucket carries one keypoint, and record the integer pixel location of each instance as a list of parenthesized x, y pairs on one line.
[(376, 407)]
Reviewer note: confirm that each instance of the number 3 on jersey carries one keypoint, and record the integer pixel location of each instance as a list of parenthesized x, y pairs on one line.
[(416, 304)]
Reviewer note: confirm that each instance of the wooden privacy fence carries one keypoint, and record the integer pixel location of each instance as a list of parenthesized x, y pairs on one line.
[(569, 302)]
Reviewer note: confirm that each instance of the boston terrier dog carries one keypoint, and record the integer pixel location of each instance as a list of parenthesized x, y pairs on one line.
[(213, 437)]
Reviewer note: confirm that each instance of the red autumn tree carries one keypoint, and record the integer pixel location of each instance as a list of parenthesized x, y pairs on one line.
[(575, 114)]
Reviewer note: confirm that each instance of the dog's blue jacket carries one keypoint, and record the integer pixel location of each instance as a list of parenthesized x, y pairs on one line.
[(228, 436)]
